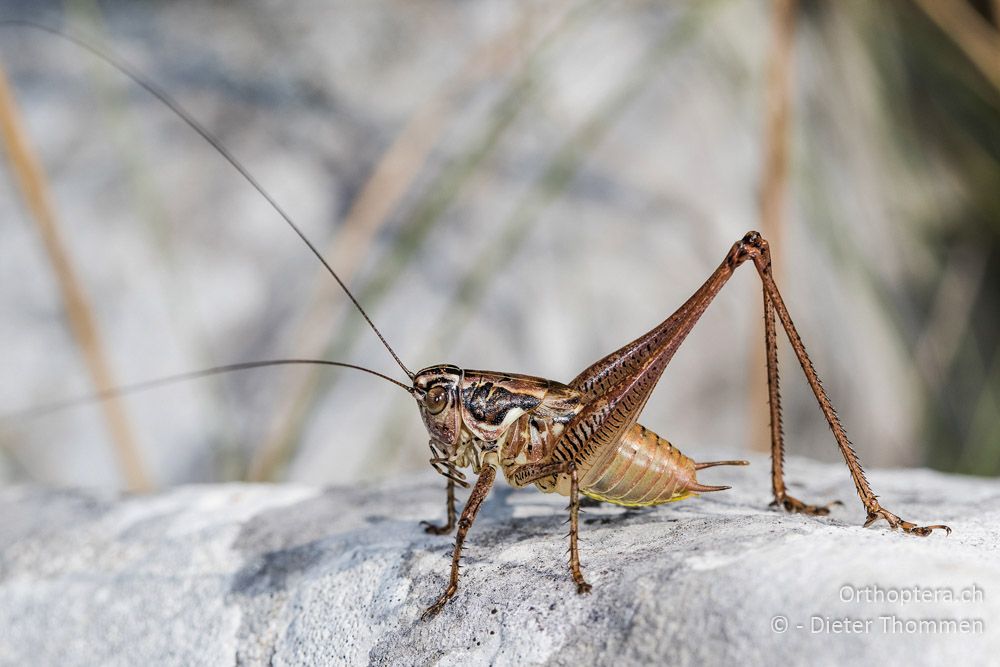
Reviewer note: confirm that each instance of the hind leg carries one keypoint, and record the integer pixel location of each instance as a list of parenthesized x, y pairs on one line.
[(755, 248), (781, 497)]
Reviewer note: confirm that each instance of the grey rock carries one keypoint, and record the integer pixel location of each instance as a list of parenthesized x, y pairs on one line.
[(288, 575)]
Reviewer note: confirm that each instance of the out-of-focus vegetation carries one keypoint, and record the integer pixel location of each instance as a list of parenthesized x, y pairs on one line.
[(520, 186), (942, 120)]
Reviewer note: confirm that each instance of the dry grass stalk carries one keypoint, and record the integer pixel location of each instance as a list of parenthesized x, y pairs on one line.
[(33, 188), (774, 184), (971, 32)]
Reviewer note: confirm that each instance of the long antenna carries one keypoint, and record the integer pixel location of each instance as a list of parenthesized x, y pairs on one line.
[(184, 115), (32, 413)]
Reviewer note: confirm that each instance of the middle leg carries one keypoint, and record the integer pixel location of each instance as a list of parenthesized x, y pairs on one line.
[(532, 472)]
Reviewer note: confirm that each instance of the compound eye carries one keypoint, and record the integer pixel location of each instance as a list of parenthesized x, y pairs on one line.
[(437, 399)]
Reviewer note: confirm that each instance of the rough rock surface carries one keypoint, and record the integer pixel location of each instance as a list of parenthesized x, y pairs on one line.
[(215, 575)]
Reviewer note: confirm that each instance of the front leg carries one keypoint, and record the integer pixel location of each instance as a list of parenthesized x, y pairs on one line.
[(479, 493), (445, 467), (434, 529)]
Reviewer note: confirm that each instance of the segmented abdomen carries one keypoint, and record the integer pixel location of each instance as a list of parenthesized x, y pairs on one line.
[(643, 469)]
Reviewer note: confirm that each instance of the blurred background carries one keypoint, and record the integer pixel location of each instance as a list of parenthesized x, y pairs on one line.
[(517, 186)]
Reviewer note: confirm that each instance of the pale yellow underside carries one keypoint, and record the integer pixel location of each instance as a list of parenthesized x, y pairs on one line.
[(597, 496)]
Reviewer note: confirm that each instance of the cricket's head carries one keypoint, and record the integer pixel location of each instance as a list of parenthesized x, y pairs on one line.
[(437, 392)]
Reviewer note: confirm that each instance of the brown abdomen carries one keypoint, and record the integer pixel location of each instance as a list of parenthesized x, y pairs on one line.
[(643, 469)]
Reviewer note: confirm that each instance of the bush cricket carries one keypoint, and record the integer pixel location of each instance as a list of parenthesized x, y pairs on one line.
[(577, 438)]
